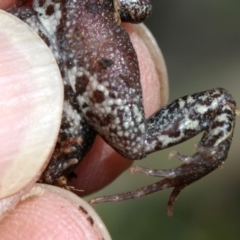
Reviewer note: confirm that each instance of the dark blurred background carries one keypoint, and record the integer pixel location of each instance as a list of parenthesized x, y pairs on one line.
[(200, 41)]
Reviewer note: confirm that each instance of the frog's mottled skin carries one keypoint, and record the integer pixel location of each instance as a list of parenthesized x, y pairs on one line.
[(103, 95)]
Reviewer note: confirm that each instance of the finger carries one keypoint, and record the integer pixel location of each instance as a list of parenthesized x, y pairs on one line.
[(31, 98), (49, 214), (102, 164)]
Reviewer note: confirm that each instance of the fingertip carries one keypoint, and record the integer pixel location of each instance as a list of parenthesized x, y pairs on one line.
[(48, 212), (31, 96), (153, 70)]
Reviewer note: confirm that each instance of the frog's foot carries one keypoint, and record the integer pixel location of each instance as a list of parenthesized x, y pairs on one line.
[(62, 182), (193, 168), (63, 161)]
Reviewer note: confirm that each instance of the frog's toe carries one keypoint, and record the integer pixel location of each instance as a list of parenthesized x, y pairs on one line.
[(179, 156)]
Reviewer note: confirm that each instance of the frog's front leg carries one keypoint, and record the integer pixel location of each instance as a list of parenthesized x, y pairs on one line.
[(214, 113)]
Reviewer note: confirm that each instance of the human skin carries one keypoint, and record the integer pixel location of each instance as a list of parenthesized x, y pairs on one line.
[(101, 165)]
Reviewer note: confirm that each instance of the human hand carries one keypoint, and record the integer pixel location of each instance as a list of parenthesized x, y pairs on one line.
[(35, 217)]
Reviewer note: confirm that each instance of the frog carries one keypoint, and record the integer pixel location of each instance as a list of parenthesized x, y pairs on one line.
[(103, 95)]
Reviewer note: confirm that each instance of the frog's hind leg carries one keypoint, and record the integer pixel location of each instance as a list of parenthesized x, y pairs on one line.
[(212, 111)]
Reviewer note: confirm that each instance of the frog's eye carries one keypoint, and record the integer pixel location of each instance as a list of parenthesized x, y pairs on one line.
[(134, 11)]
